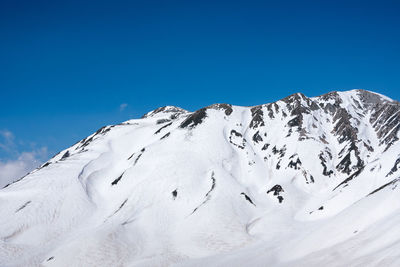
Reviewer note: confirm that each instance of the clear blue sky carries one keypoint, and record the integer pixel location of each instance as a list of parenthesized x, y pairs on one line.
[(67, 66)]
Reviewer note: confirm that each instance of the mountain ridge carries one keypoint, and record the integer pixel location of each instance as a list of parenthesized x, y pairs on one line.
[(224, 185), (368, 92)]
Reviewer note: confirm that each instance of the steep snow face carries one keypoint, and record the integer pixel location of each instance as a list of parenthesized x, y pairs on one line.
[(298, 182)]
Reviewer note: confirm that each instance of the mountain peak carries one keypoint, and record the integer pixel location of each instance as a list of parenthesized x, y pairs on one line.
[(165, 110), (359, 94)]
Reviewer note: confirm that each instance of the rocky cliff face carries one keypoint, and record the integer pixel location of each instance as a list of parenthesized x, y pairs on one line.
[(301, 181)]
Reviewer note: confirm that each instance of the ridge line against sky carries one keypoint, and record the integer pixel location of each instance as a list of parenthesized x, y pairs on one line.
[(70, 67)]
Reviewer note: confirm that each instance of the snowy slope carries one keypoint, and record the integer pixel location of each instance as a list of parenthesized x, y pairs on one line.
[(298, 182)]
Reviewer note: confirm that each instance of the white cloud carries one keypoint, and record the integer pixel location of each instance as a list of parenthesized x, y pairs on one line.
[(7, 143), (122, 106), (7, 134), (13, 169)]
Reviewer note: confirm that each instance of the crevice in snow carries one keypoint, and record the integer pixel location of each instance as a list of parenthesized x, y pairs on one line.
[(393, 182), (351, 177), (23, 206)]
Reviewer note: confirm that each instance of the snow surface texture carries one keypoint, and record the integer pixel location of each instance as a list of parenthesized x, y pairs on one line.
[(299, 182)]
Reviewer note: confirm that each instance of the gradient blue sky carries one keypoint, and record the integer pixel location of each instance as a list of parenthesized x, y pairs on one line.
[(67, 66)]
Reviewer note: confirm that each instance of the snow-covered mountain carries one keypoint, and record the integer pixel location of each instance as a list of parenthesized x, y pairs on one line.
[(298, 182)]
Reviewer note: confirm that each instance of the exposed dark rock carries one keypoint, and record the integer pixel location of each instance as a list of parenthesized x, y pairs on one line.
[(370, 99), (240, 145), (174, 194), (41, 167), (393, 182), (165, 126), (117, 180), (208, 194), (234, 132), (312, 179), (120, 207), (343, 127), (137, 159), (346, 163), (102, 131), (281, 151), (212, 185), (323, 162), (295, 164), (175, 111), (257, 138), (296, 121), (278, 165), (331, 96), (394, 168), (165, 136), (66, 155), (251, 163), (386, 122), (298, 105), (162, 121), (351, 177), (198, 117), (323, 140), (247, 198), (226, 107), (265, 147), (369, 148), (276, 189), (270, 111), (45, 165), (294, 99), (257, 117), (289, 132), (194, 119)]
